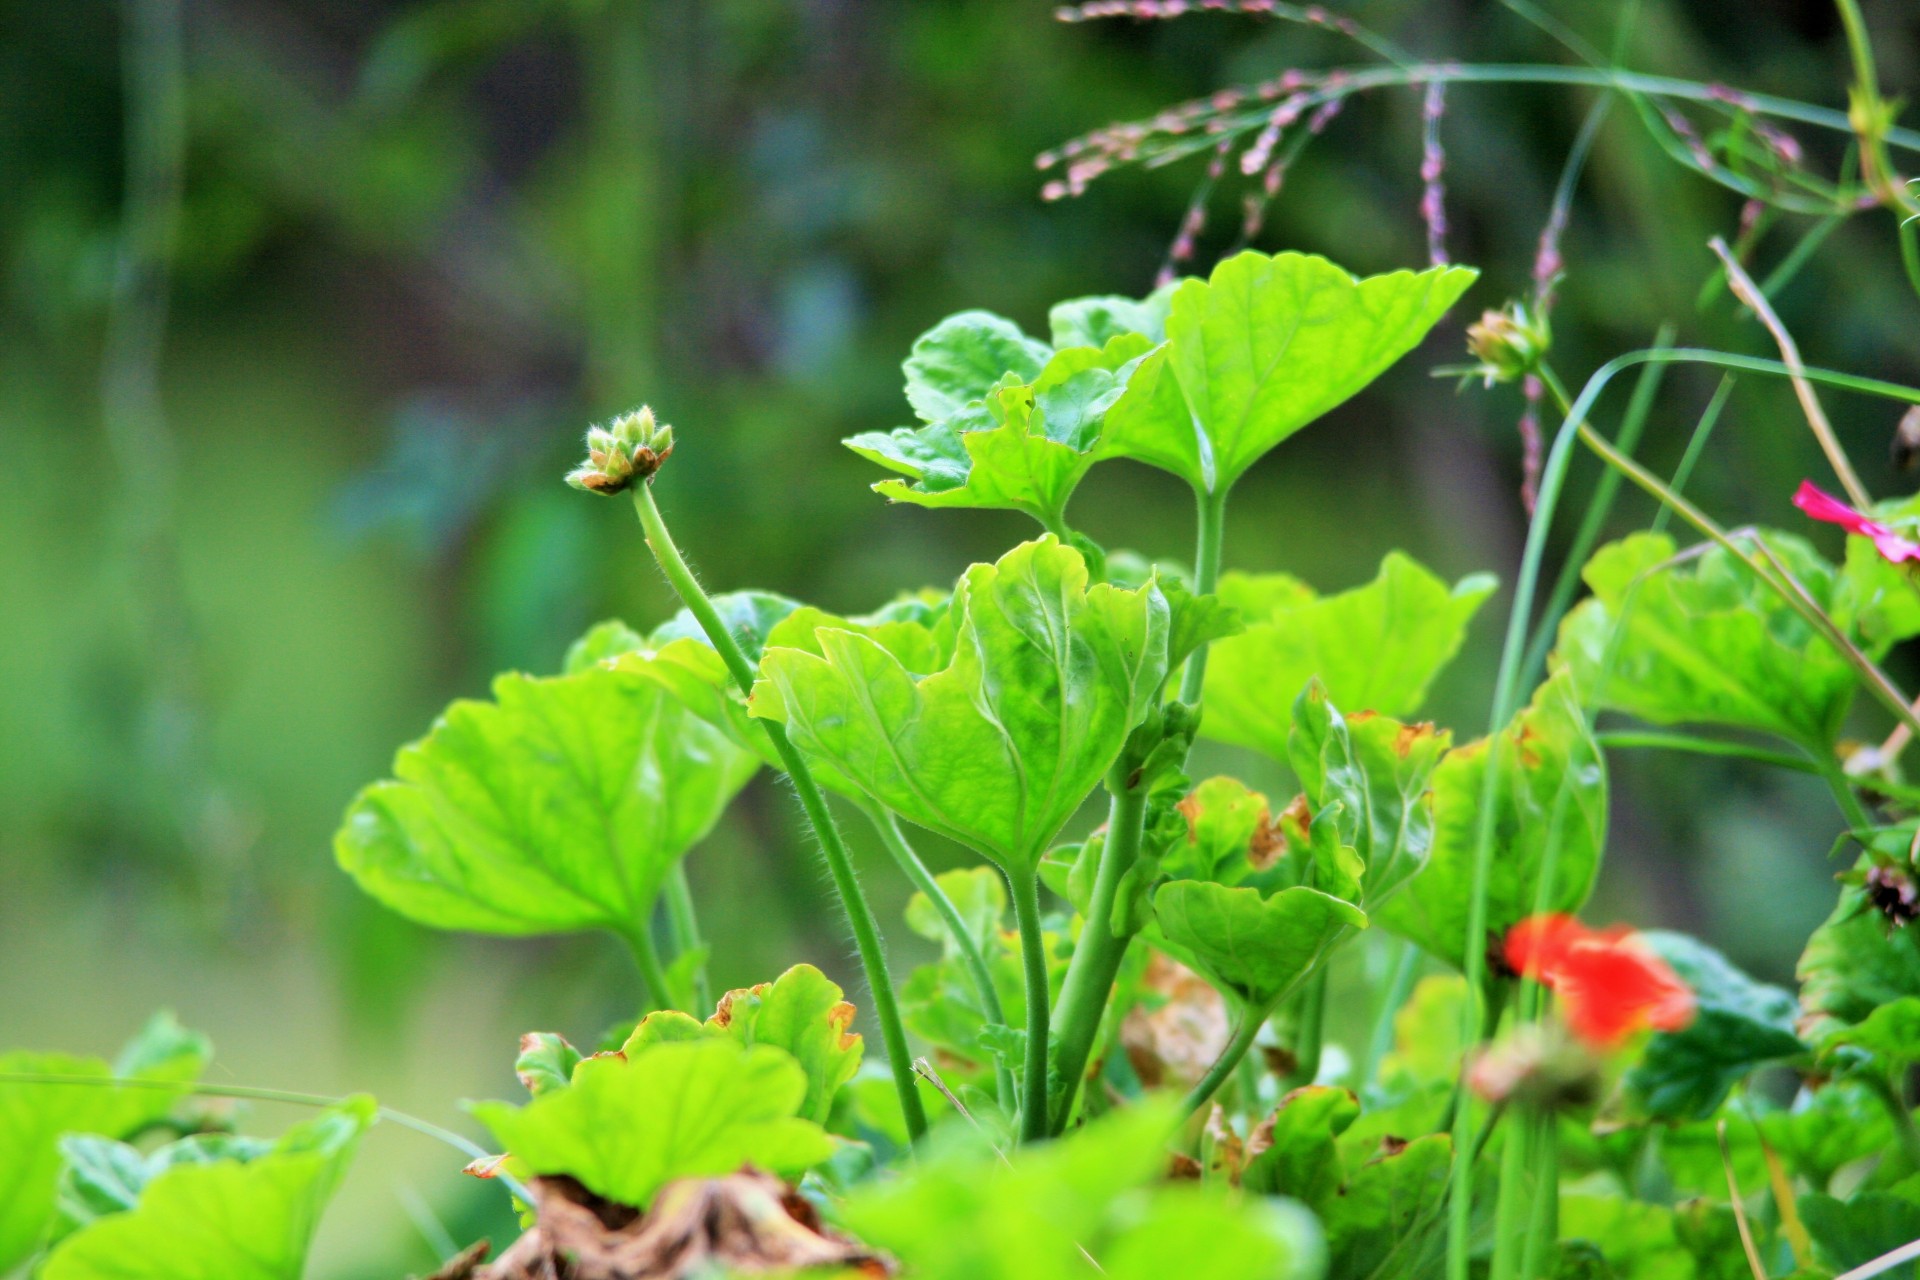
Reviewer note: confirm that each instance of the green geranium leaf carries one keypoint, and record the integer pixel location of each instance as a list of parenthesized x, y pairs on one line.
[(999, 748), (801, 1012), (748, 615), (977, 893), (1375, 648), (1636, 1238), (604, 643), (1705, 642), (1250, 945), (1851, 1233), (1261, 349), (1094, 322), (560, 805), (1379, 772), (1829, 1128), (546, 1062), (250, 1219), (1292, 1152), (1024, 445), (628, 1126), (1890, 1033), (1738, 1024), (1884, 598), (1378, 1208), (101, 1176), (1856, 962), (1551, 789), (968, 1214), (962, 357), (1230, 834), (34, 1117)]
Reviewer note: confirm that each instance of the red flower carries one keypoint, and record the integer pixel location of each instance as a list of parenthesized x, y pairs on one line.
[(1609, 985), (1824, 506)]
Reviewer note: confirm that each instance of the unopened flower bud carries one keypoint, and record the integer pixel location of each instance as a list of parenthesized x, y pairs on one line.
[(1509, 343), (628, 449), (1536, 1066)]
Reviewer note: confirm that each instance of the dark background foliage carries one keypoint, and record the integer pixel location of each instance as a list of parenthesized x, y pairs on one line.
[(419, 246)]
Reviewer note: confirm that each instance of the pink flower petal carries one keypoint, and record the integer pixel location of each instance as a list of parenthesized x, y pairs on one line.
[(1829, 509)]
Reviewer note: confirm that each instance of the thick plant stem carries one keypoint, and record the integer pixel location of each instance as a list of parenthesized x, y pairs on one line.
[(964, 942), (683, 925), (1033, 955), (853, 900), (1509, 1236), (1206, 576), (646, 957), (1245, 1032), (1888, 1093), (1098, 953)]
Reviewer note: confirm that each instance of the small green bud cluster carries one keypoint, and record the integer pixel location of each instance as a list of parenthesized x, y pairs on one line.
[(628, 449), (1509, 343)]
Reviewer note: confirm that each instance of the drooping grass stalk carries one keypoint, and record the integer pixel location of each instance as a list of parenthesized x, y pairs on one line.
[(1033, 956), (964, 942), (1593, 521), (683, 926), (1099, 951), (292, 1098), (853, 899), (638, 935)]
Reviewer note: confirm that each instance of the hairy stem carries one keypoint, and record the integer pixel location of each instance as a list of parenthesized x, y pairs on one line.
[(853, 900), (1310, 1027), (683, 926), (1033, 955), (1099, 951), (1696, 745), (964, 942)]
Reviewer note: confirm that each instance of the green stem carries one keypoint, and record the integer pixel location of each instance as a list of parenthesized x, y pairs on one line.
[(1594, 521), (1843, 794), (1206, 576), (1508, 1244), (1404, 968), (1693, 744), (683, 927), (646, 957), (1310, 1027), (1543, 1225), (1896, 1109), (1033, 955), (964, 942), (853, 900), (1245, 1032), (1098, 953)]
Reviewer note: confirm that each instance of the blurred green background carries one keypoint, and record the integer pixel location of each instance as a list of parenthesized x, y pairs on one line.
[(281, 432)]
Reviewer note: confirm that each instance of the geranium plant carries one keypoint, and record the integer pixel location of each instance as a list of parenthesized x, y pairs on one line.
[(1118, 1062)]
